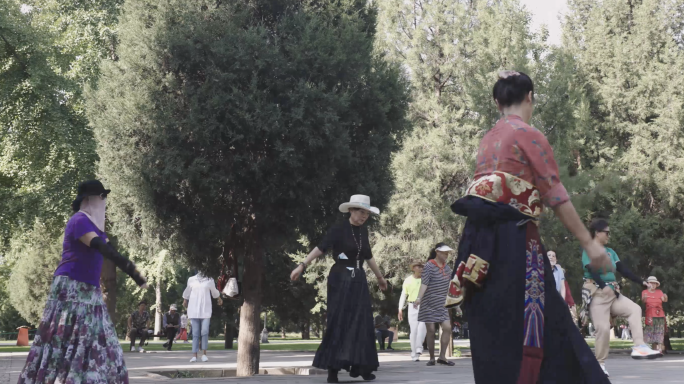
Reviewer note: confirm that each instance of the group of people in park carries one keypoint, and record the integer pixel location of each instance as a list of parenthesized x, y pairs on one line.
[(521, 331)]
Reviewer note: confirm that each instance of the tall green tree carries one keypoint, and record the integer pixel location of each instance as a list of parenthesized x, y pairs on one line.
[(258, 117), (452, 51), (623, 69)]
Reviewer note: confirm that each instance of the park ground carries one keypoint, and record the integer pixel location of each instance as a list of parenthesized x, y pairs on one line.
[(395, 367)]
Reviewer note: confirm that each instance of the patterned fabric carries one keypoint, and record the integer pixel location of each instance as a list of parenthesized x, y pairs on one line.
[(534, 291), (76, 341), (432, 305), (455, 293), (518, 149), (139, 321), (501, 187), (655, 333)]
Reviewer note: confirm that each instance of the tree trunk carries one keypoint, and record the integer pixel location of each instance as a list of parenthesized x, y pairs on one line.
[(248, 338), (158, 311), (108, 282)]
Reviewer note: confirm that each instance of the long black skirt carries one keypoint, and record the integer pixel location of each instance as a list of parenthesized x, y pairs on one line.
[(349, 340), (496, 310)]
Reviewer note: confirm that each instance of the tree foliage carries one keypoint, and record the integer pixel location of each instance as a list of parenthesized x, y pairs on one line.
[(244, 124)]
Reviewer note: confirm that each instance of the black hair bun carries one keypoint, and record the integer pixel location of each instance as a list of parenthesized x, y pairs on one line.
[(512, 88)]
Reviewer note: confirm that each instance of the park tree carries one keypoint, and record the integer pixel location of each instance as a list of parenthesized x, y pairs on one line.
[(623, 68), (245, 124), (452, 51), (49, 50)]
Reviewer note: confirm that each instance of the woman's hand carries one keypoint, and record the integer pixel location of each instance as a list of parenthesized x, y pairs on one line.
[(382, 283), (416, 303), (185, 304), (219, 301), (647, 285), (599, 259), (296, 272), (401, 315), (144, 286)]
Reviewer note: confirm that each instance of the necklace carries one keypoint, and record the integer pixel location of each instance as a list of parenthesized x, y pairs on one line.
[(359, 244)]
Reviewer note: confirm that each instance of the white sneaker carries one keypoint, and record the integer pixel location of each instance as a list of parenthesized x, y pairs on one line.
[(603, 366), (645, 352), (141, 350), (132, 349), (205, 358), (193, 359)]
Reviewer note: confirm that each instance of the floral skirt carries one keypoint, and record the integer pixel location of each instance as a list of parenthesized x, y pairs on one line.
[(655, 333), (76, 341)]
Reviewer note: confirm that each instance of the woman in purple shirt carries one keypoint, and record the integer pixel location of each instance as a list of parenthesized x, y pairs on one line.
[(76, 341)]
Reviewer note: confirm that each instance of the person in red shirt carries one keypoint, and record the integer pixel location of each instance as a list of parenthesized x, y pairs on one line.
[(654, 331)]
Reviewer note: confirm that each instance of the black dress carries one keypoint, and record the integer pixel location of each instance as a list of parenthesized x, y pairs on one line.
[(349, 341)]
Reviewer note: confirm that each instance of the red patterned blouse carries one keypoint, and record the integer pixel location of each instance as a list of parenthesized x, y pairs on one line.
[(523, 151)]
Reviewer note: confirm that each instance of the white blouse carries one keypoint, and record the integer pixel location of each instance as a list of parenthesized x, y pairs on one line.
[(199, 292)]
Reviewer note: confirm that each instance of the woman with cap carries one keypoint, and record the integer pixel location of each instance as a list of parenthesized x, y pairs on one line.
[(410, 290), (433, 290), (349, 342), (76, 340), (520, 328), (654, 329)]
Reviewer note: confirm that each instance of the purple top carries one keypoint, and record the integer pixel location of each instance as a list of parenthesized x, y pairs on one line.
[(79, 261)]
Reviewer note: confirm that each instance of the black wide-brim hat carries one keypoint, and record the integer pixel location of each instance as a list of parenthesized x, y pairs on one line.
[(88, 188)]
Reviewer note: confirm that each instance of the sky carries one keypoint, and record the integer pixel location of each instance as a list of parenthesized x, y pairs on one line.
[(547, 12)]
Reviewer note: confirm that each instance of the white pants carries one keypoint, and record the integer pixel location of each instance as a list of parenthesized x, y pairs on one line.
[(418, 330)]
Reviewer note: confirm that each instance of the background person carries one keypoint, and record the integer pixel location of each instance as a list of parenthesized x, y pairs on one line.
[(558, 273), (654, 329), (606, 300), (382, 324), (431, 298), (410, 290), (197, 300), (183, 334), (171, 323), (138, 326)]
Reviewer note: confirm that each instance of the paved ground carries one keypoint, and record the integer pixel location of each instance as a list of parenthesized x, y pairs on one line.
[(395, 368)]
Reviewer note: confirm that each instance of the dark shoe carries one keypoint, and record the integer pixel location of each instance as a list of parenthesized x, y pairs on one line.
[(332, 376), (354, 372), (390, 349), (430, 363), (446, 362), (368, 377), (166, 345)]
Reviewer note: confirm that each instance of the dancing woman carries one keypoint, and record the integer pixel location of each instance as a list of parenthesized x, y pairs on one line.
[(520, 329), (349, 342), (76, 341), (433, 289), (654, 329)]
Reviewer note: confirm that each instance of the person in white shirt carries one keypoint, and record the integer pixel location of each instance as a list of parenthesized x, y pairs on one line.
[(183, 334), (410, 290), (197, 299)]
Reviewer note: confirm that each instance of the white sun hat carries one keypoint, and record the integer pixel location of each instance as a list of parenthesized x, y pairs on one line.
[(444, 248), (359, 201), (652, 279)]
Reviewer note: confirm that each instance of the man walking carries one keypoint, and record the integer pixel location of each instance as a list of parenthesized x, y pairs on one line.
[(410, 290), (139, 323), (171, 325)]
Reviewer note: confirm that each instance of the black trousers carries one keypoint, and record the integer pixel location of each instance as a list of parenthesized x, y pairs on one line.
[(135, 333), (381, 334), (170, 335)]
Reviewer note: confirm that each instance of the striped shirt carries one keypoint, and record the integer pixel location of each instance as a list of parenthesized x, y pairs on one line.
[(432, 305)]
